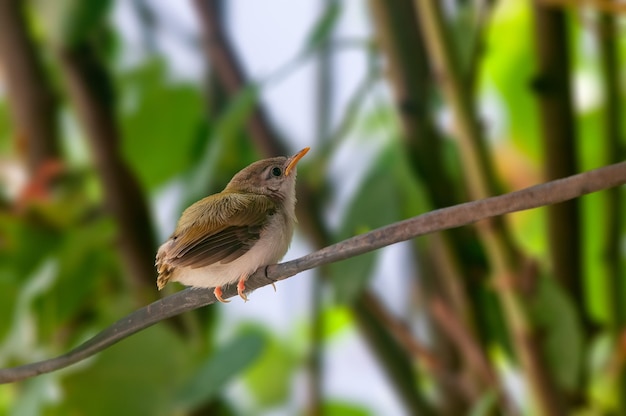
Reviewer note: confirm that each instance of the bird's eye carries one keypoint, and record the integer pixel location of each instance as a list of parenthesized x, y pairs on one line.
[(277, 171)]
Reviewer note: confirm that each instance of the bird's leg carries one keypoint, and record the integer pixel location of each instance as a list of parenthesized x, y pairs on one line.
[(218, 294), (241, 286)]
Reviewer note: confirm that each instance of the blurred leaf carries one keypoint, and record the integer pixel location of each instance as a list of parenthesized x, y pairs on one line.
[(135, 377), (228, 149), (5, 128), (35, 395), (324, 26), (375, 204), (509, 68), (603, 373), (161, 124), (557, 320), (84, 254), (70, 22), (486, 405), (269, 379), (220, 369), (336, 320), (9, 289), (336, 408)]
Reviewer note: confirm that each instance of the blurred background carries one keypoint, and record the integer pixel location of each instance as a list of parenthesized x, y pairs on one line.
[(116, 115)]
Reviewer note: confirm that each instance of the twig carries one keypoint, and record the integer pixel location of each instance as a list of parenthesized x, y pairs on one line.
[(92, 92), (33, 103), (231, 75), (553, 94), (441, 219)]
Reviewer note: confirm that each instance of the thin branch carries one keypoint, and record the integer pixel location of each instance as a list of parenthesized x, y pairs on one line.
[(438, 220), (231, 74), (91, 90), (33, 103), (558, 125)]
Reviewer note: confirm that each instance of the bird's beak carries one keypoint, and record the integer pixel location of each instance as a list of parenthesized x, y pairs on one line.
[(293, 160)]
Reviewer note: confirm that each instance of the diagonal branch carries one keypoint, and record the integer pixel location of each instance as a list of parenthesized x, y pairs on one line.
[(438, 220), (32, 100)]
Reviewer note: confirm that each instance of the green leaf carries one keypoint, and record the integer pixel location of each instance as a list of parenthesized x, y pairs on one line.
[(160, 124), (228, 149), (219, 369), (486, 405), (336, 320), (324, 26), (337, 408), (375, 204), (557, 320), (135, 377), (278, 364), (70, 22)]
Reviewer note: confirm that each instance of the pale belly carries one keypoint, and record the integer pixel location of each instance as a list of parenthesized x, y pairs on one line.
[(269, 249)]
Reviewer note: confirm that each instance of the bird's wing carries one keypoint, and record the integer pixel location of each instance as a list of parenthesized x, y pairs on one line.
[(225, 226)]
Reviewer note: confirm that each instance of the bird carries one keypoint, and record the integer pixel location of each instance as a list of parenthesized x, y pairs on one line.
[(225, 237)]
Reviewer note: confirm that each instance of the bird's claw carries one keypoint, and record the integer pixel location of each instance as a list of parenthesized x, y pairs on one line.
[(241, 287), (218, 295)]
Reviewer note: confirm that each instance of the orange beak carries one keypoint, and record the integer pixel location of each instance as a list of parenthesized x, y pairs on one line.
[(294, 160)]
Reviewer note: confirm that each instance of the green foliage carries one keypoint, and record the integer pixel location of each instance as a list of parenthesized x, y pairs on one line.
[(337, 408), (322, 31), (269, 378), (70, 22), (152, 364), (559, 325), (509, 67), (159, 147), (220, 368), (60, 270), (375, 204)]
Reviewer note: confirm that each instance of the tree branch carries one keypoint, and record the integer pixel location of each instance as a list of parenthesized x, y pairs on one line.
[(438, 220), (91, 89), (31, 98)]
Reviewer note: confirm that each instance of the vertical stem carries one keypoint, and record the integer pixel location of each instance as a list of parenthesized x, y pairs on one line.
[(92, 92), (481, 182), (324, 106), (552, 87), (396, 363), (614, 152), (231, 74), (33, 104)]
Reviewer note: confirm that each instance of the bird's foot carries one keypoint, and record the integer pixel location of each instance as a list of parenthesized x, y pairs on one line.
[(241, 286), (218, 295), (274, 286)]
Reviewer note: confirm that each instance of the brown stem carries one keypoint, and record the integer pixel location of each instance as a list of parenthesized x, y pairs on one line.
[(32, 102), (231, 74), (91, 90), (552, 87)]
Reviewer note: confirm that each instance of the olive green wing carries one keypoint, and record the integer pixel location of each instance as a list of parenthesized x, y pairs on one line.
[(219, 228)]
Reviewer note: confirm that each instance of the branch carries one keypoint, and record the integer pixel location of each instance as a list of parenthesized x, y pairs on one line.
[(558, 125), (91, 90), (438, 220), (32, 101)]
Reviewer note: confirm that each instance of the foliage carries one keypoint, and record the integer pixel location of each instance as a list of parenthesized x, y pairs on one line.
[(63, 277)]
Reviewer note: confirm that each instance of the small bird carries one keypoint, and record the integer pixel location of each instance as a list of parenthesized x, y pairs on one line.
[(226, 237)]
